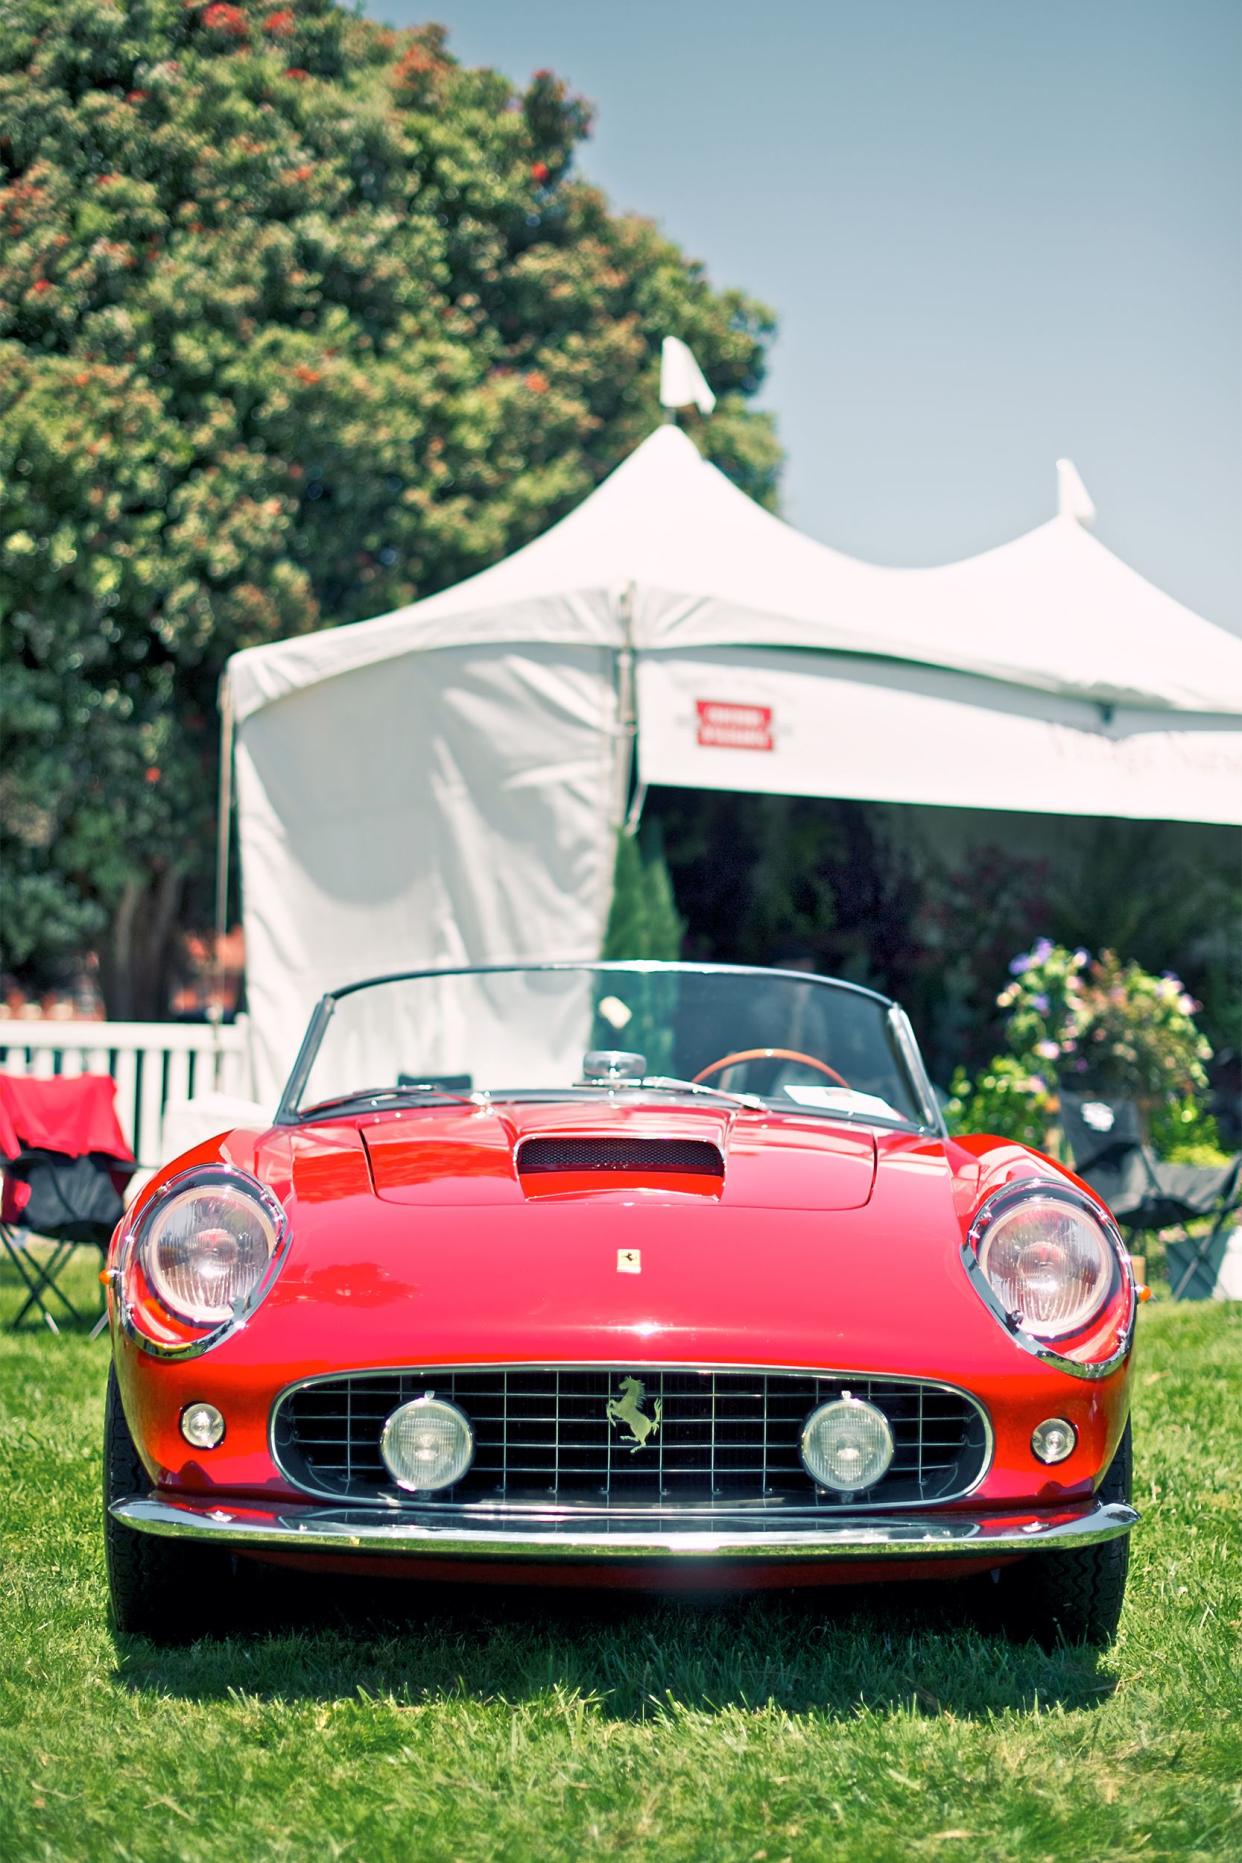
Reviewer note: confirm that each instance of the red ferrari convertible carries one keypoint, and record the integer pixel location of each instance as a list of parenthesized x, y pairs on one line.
[(646, 1274)]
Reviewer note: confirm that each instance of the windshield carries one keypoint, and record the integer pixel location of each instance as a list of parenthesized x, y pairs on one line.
[(777, 1038)]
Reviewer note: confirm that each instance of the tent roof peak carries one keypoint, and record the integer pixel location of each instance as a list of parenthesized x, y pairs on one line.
[(1052, 609)]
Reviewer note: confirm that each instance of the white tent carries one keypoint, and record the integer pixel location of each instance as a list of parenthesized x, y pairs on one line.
[(443, 784)]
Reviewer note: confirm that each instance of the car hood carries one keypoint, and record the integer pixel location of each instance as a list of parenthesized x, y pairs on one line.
[(522, 1151), (417, 1240)]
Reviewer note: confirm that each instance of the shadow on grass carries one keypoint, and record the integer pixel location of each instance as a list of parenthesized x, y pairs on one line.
[(834, 1653), (78, 1279)]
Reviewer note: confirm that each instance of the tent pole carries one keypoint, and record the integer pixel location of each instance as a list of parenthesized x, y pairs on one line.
[(635, 816), (627, 716), (224, 814)]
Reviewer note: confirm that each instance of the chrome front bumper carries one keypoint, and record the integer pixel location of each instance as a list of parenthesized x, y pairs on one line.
[(469, 1534)]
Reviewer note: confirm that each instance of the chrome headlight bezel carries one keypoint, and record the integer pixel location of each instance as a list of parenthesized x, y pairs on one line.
[(184, 1337), (1123, 1296)]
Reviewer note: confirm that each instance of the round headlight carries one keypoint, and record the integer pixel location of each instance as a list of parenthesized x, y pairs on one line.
[(205, 1251), (427, 1444), (847, 1445), (1048, 1261)]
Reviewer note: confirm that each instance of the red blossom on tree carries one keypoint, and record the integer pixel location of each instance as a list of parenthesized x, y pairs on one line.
[(42, 284), (417, 74), (227, 19), (417, 62), (297, 73), (537, 382), (539, 171), (280, 23), (309, 375)]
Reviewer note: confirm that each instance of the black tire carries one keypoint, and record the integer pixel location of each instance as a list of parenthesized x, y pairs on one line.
[(1072, 1597), (169, 1590)]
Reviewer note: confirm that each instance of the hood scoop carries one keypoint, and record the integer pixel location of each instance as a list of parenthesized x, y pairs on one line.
[(598, 1156)]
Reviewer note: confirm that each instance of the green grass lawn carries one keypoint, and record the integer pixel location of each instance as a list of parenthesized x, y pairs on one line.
[(481, 1726)]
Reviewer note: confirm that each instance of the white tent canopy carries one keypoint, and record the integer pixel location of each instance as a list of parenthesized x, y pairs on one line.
[(443, 784)]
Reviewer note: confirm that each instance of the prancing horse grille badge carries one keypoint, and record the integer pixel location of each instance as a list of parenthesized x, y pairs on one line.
[(627, 1408)]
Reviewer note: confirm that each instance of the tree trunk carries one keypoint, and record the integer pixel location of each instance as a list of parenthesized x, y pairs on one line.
[(138, 960)]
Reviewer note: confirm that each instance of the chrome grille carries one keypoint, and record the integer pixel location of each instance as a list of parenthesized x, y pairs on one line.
[(727, 1438)]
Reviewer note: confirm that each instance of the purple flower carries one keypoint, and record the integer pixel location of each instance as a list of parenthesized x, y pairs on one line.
[(1020, 964), (1040, 1002), (1043, 950)]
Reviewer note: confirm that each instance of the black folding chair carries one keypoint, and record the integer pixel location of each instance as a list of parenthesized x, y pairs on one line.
[(69, 1202), (1107, 1148), (65, 1166)]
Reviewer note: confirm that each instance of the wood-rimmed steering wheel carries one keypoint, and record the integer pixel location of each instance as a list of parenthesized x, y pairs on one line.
[(771, 1054)]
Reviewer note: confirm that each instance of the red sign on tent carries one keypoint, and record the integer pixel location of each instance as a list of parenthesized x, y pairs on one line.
[(724, 726)]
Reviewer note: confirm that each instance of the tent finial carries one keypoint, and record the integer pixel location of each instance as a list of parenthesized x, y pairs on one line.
[(681, 379), (1073, 498)]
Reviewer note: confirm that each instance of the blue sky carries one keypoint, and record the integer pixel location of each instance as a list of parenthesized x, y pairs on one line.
[(994, 232)]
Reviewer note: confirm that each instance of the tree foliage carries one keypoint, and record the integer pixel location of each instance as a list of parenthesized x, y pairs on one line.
[(299, 320)]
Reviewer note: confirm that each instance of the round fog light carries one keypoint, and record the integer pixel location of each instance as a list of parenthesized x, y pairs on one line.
[(1054, 1439), (427, 1444), (202, 1426), (847, 1445)]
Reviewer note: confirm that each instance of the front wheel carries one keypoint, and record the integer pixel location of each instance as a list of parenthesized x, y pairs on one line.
[(1072, 1597), (169, 1590)]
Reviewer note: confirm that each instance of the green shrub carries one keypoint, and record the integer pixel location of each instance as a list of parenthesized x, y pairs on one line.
[(1007, 1099), (1184, 1132)]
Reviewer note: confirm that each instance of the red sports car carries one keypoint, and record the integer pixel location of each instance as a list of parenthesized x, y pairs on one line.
[(646, 1274)]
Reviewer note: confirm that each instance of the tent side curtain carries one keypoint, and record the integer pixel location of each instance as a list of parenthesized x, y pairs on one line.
[(440, 808), (796, 723)]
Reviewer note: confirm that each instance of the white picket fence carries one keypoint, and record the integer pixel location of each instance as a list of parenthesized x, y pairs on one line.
[(154, 1064)]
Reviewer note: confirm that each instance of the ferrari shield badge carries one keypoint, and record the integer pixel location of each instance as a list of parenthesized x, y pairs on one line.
[(627, 1408), (629, 1261)]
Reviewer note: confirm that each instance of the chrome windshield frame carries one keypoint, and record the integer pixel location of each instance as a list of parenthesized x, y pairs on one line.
[(289, 1112)]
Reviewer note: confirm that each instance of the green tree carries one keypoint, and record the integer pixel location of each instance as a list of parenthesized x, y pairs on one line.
[(643, 920), (299, 320)]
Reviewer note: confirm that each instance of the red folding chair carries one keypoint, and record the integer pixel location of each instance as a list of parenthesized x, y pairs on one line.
[(65, 1167)]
